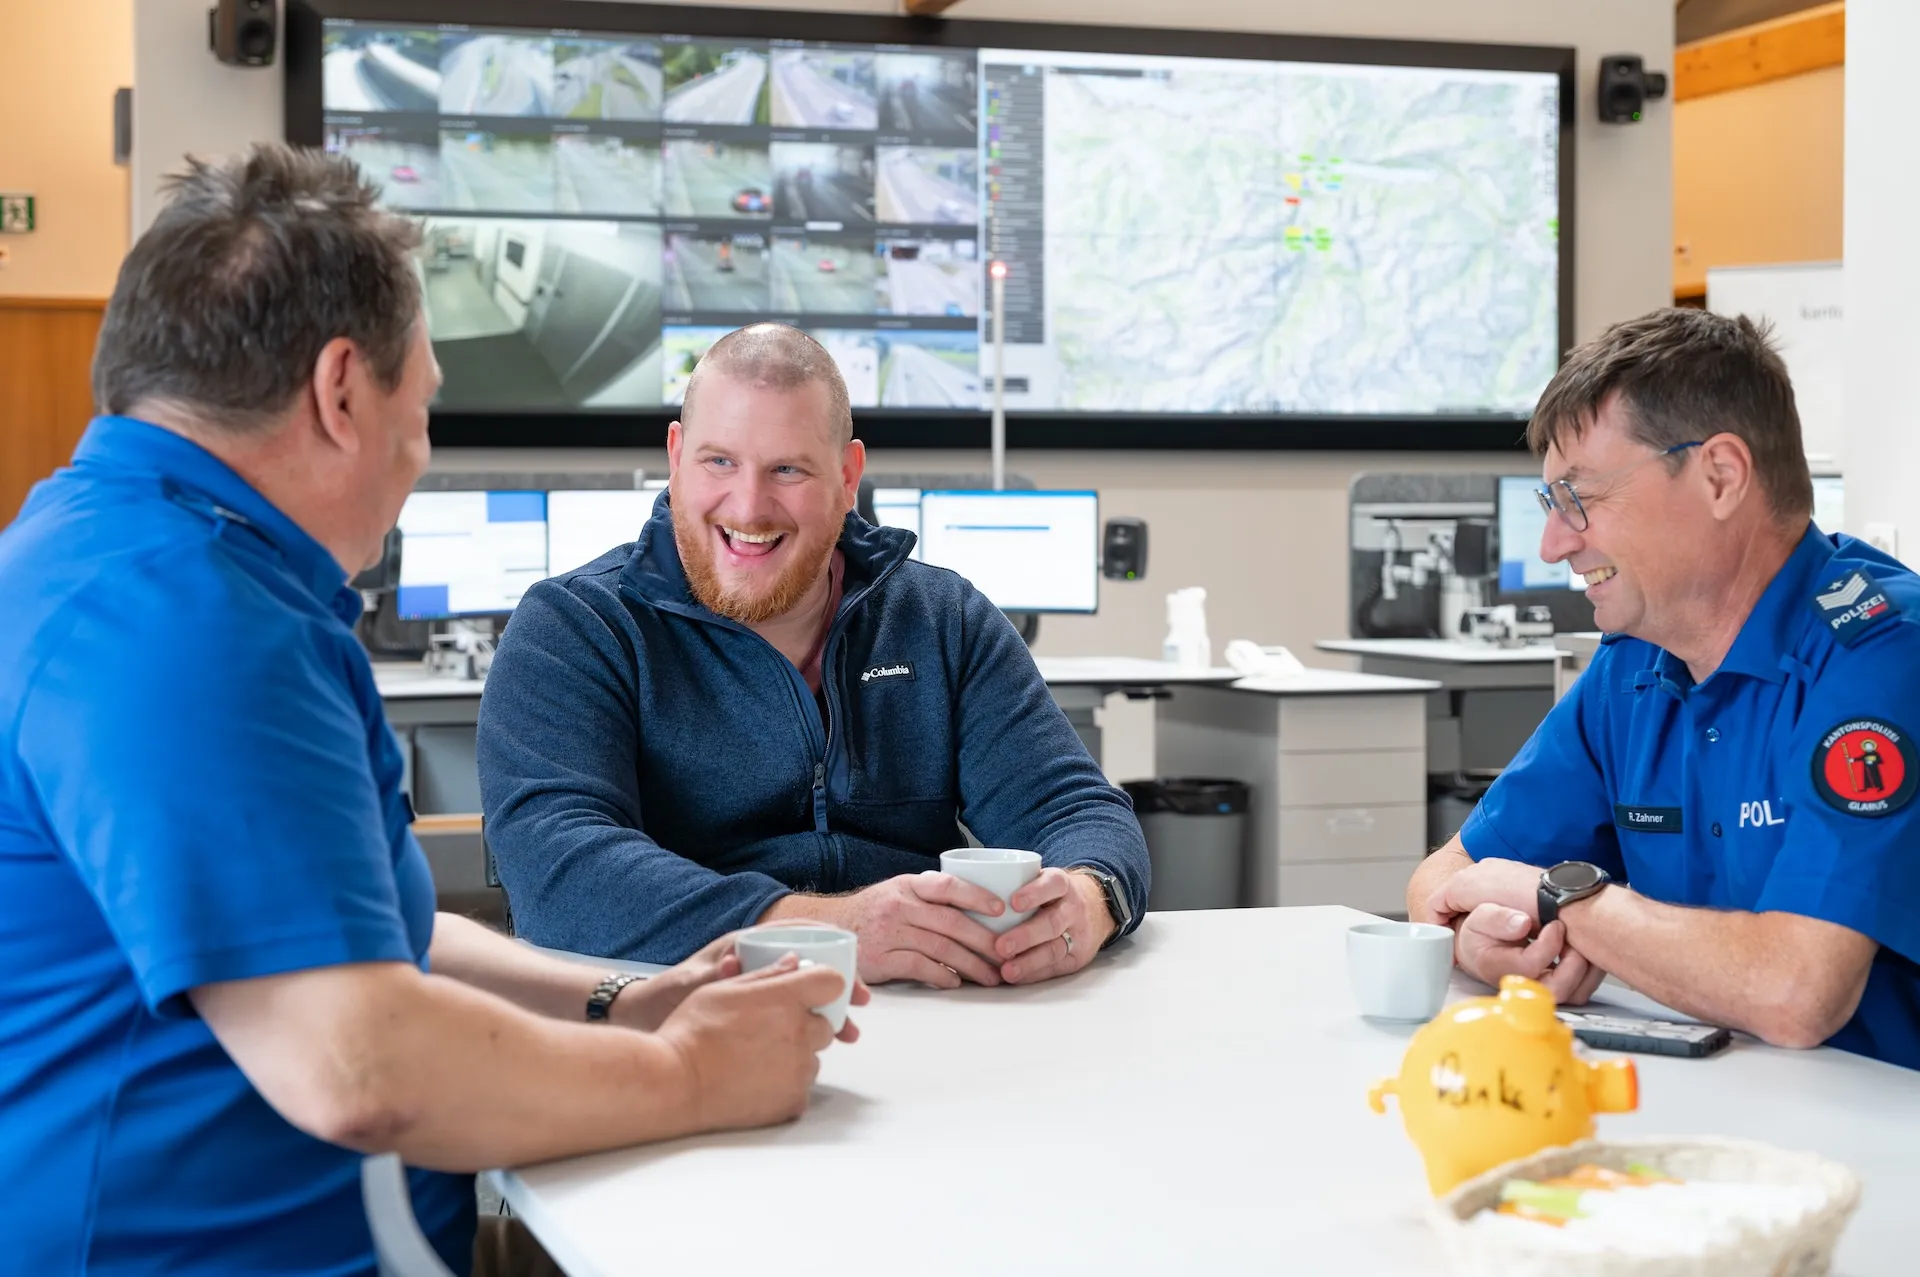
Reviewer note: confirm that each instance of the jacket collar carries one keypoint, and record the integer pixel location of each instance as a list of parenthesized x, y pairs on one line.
[(192, 477), (655, 574)]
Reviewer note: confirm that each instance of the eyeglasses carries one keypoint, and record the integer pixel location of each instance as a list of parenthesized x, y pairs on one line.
[(1560, 498)]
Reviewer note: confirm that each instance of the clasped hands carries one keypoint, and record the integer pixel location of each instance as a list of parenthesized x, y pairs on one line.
[(1493, 907), (915, 927)]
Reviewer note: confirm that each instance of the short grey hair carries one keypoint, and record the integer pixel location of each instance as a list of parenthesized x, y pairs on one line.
[(780, 358), (254, 265)]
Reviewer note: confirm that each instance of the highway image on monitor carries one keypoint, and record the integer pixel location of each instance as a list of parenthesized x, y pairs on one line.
[(701, 178), (820, 182), (856, 352), (380, 70), (928, 92), (404, 165), (607, 79), (715, 84), (928, 184), (824, 89), (496, 75), (929, 277), (507, 173), (716, 272), (607, 175), (823, 276), (929, 370), (683, 348)]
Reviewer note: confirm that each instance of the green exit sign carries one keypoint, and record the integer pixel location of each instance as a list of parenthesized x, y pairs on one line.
[(16, 214)]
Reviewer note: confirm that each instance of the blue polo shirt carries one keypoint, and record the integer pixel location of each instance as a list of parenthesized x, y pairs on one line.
[(1784, 782), (197, 784)]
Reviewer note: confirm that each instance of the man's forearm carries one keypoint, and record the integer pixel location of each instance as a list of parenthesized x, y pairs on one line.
[(796, 907), (464, 950), (1790, 980), (448, 1076)]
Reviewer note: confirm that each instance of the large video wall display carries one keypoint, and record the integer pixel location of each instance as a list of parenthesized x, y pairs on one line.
[(1184, 235)]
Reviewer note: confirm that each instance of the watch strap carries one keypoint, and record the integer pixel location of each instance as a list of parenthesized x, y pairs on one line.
[(1117, 906), (600, 1001), (1548, 904)]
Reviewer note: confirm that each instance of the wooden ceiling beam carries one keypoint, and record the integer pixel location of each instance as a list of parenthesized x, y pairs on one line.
[(929, 8), (1792, 45)]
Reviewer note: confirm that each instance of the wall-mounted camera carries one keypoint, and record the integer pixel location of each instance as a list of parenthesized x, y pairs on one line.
[(1626, 86)]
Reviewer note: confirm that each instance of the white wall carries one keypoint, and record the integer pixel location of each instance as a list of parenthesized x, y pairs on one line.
[(1264, 532), (1882, 449)]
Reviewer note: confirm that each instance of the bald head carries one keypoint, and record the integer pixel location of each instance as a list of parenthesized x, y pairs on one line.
[(774, 357)]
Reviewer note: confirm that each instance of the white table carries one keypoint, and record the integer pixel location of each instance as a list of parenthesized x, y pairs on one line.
[(1193, 1102)]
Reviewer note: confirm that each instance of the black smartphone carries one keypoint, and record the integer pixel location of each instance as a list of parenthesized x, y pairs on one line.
[(1648, 1037)]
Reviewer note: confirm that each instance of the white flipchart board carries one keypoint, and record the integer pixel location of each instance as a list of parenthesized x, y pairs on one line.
[(1803, 301)]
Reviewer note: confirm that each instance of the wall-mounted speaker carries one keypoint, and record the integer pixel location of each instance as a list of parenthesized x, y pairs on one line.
[(1626, 86), (242, 32), (1123, 550)]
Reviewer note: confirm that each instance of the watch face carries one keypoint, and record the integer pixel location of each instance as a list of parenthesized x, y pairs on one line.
[(1574, 875)]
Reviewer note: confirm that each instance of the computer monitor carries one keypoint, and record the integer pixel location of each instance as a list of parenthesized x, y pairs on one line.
[(469, 553), (584, 523), (1829, 502), (899, 508), (1521, 523), (1027, 551)]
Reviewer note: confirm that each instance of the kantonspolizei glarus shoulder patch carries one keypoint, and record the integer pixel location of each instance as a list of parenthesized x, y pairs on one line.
[(1852, 605), (1861, 767)]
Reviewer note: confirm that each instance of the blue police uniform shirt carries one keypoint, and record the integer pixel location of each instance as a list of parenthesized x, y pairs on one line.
[(197, 784), (1784, 782)]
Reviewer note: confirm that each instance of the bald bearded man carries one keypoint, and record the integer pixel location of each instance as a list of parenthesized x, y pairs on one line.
[(765, 709)]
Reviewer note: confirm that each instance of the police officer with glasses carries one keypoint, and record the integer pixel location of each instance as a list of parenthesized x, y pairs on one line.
[(1720, 812)]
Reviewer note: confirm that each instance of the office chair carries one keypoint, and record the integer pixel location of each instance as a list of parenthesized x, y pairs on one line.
[(399, 1245)]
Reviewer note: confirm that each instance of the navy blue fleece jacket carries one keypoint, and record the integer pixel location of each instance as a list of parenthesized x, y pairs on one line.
[(655, 776)]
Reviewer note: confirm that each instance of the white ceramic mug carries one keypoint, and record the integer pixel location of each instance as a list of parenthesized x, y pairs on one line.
[(1001, 870), (815, 944), (1399, 970)]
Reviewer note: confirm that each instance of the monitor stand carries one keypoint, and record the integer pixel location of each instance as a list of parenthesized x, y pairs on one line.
[(1028, 624)]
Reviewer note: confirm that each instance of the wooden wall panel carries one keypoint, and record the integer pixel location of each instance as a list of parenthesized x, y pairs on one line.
[(46, 355), (1807, 41)]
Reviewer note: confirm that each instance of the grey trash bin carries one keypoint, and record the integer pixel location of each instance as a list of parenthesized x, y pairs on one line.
[(1196, 837)]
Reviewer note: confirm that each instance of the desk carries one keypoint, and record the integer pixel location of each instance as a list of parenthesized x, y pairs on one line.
[(1193, 1102), (1337, 764), (1490, 701)]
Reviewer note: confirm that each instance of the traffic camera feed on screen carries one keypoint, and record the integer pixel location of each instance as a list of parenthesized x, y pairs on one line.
[(1182, 235)]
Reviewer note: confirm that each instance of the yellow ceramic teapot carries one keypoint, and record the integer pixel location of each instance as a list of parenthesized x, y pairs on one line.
[(1489, 1080)]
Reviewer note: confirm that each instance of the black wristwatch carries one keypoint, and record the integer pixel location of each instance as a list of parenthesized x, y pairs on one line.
[(600, 1001), (1566, 882), (1117, 906)]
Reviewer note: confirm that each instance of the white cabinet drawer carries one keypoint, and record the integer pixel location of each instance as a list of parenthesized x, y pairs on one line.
[(1377, 886), (1319, 724), (1352, 833), (1354, 780)]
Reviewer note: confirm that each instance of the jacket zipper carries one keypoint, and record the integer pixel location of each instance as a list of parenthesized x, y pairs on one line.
[(803, 698)]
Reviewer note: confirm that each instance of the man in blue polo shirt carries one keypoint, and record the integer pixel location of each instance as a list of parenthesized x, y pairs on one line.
[(221, 974), (1723, 804)]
